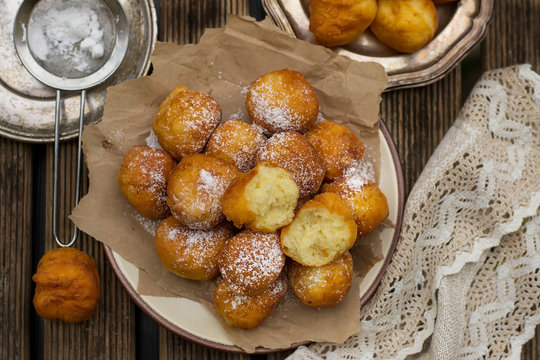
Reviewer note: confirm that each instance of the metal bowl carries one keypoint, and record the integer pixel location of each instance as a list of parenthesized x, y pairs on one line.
[(27, 106), (461, 26)]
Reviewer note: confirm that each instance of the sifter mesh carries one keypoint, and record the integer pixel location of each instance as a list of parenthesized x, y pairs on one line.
[(71, 39)]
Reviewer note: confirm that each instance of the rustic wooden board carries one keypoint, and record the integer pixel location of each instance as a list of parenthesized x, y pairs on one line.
[(110, 333), (15, 249)]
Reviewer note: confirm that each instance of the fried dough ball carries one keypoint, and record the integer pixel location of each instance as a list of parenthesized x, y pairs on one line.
[(337, 146), (236, 142), (245, 311), (191, 254), (67, 286), (185, 121), (282, 101), (263, 199), (339, 22), (405, 25), (365, 200), (251, 261), (143, 178), (195, 189), (322, 286), (321, 231), (291, 151)]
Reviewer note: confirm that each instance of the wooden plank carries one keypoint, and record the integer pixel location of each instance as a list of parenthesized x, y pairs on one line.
[(531, 350), (513, 37), (418, 118), (15, 249), (110, 333), (183, 22), (175, 347)]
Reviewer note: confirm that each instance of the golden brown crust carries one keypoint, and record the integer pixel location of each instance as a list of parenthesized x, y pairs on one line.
[(282, 101), (195, 190), (321, 231), (291, 151), (338, 147), (185, 120), (236, 142), (322, 286), (365, 200), (339, 22), (143, 178), (191, 254), (238, 201), (251, 261), (405, 25), (246, 311), (235, 203), (67, 286)]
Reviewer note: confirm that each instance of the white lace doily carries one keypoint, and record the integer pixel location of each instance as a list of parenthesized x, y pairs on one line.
[(464, 282)]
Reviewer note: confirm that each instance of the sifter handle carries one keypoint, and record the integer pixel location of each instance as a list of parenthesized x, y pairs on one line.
[(56, 154)]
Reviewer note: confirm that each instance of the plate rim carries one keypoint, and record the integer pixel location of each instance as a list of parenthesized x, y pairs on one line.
[(422, 76), (143, 305)]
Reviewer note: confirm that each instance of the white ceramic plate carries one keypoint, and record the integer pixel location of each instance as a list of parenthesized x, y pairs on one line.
[(195, 322)]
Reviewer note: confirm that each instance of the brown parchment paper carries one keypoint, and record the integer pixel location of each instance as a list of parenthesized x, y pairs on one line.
[(222, 64)]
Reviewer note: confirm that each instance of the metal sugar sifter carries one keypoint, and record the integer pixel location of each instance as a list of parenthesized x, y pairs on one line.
[(70, 46)]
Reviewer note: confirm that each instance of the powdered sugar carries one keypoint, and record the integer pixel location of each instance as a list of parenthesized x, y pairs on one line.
[(274, 111), (360, 174), (195, 251), (252, 261), (294, 153), (148, 225), (282, 101), (152, 141), (70, 38), (208, 181), (236, 142)]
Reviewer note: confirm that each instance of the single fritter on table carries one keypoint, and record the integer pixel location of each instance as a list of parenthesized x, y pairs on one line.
[(339, 22), (282, 101), (195, 189), (143, 179), (67, 286), (262, 199), (190, 253)]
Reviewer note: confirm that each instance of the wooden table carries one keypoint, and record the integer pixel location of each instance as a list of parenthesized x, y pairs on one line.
[(417, 118)]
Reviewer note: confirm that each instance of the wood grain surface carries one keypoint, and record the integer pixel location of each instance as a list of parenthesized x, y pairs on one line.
[(110, 334), (15, 249), (417, 118)]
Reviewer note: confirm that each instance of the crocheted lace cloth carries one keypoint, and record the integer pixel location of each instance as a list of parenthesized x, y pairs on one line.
[(464, 281)]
